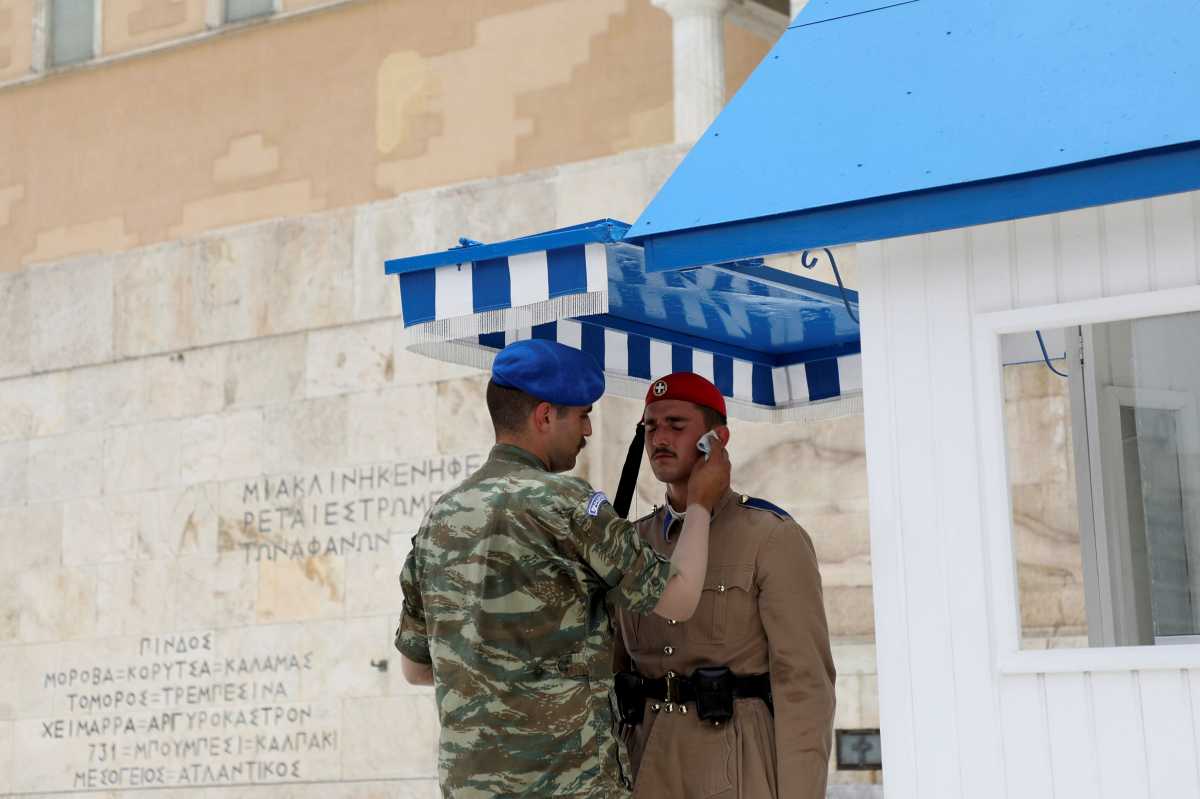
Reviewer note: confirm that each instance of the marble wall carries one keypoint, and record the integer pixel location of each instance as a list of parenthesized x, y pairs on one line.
[(1041, 472), (212, 456)]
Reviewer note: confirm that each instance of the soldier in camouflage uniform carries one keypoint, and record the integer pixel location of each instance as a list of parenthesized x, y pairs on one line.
[(507, 586)]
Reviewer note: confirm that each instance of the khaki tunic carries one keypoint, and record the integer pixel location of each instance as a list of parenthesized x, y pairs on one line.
[(761, 611)]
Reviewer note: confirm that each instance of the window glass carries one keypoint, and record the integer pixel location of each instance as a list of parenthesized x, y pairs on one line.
[(236, 10), (1157, 521), (1103, 443), (72, 26)]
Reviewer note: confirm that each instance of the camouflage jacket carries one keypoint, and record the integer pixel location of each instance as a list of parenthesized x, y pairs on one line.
[(505, 593)]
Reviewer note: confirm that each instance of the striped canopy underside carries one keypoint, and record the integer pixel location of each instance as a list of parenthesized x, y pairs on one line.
[(463, 300), (468, 312)]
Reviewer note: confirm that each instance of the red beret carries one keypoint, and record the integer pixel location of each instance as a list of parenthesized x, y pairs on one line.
[(687, 386)]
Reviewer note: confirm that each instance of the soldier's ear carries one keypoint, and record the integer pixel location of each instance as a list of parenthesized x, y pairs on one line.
[(542, 413), (722, 433)]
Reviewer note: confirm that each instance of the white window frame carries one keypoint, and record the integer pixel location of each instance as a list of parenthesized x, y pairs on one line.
[(39, 36), (214, 14), (997, 507), (43, 37)]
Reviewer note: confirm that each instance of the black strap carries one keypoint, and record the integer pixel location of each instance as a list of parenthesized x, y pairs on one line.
[(629, 473)]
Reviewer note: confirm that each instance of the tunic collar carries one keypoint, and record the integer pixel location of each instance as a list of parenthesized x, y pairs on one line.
[(508, 453), (671, 515)]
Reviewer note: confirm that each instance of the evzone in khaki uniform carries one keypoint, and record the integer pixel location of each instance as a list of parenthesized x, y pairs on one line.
[(739, 700)]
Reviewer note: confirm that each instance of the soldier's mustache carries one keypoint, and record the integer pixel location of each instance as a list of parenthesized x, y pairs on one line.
[(662, 451)]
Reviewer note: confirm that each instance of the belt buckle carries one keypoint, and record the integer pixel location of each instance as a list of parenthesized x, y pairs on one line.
[(672, 697)]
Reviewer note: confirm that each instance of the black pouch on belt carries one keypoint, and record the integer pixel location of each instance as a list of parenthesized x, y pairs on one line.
[(631, 697), (714, 687)]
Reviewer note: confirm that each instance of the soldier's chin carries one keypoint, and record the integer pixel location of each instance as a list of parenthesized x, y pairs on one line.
[(663, 472)]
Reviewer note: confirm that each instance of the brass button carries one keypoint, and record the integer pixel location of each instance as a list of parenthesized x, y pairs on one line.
[(670, 708), (716, 724), (745, 498), (656, 707), (720, 589), (668, 650), (683, 710), (672, 622)]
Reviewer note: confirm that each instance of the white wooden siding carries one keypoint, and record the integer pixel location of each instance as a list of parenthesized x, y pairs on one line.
[(1088, 254), (889, 582), (955, 724), (1070, 729)]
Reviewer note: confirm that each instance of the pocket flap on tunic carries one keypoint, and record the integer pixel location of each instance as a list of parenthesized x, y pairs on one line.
[(725, 578), (721, 584)]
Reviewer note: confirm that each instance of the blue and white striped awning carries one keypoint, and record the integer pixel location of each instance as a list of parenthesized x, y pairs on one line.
[(778, 346)]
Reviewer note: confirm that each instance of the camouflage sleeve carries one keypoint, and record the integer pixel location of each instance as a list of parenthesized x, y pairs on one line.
[(412, 637), (634, 572)]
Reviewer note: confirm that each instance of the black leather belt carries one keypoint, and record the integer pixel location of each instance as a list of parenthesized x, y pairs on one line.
[(712, 689), (677, 690)]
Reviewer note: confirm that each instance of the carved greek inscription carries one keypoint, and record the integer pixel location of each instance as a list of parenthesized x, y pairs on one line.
[(178, 712), (344, 511), (197, 709)]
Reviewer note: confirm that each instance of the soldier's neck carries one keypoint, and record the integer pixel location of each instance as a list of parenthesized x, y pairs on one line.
[(525, 443), (677, 495)]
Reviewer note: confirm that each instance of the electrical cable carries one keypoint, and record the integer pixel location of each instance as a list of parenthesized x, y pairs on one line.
[(1046, 355)]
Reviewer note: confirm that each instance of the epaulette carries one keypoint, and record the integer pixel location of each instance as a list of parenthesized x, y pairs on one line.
[(761, 504)]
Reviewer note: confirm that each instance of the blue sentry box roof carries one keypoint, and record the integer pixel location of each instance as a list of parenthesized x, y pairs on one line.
[(778, 345), (870, 119), (742, 308)]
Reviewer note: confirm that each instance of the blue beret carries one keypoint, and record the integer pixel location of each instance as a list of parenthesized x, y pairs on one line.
[(550, 371)]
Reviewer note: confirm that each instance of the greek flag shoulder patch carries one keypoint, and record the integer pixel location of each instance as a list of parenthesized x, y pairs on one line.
[(597, 499)]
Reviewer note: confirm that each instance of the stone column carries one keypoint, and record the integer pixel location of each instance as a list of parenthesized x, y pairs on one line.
[(698, 39)]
